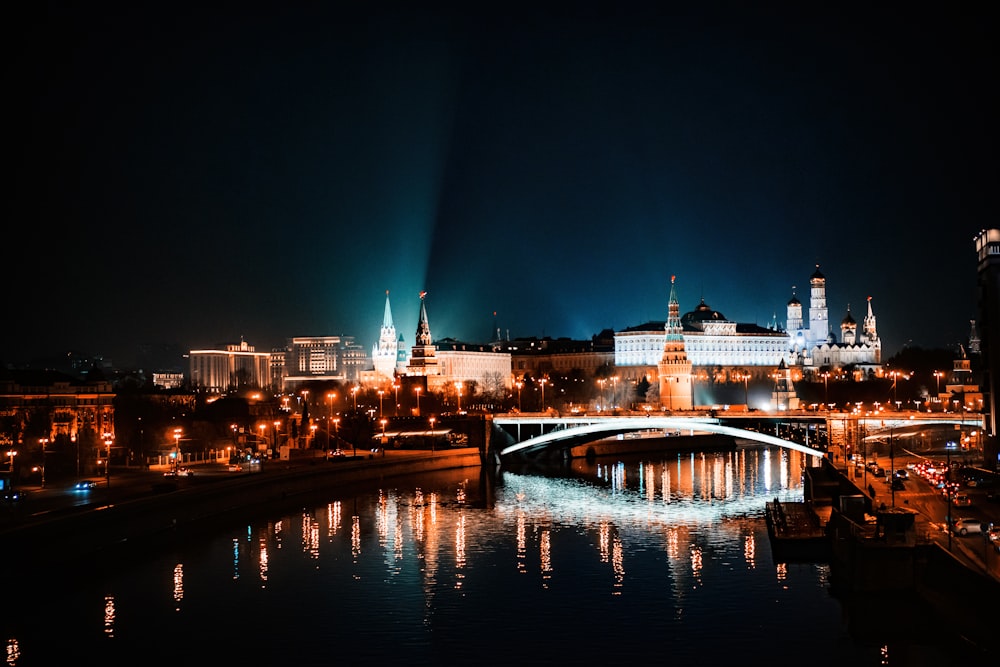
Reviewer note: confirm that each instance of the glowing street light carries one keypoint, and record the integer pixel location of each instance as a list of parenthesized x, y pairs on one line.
[(380, 394), (458, 393), (542, 383), (43, 442), (177, 447), (519, 385), (332, 395), (354, 393), (11, 453), (416, 390), (826, 387), (432, 420), (108, 438), (395, 386), (937, 378)]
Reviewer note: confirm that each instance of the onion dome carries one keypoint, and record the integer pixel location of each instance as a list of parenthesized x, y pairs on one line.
[(794, 301), (817, 275), (848, 319)]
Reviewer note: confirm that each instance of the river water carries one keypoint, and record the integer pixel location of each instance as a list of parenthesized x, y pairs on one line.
[(655, 560)]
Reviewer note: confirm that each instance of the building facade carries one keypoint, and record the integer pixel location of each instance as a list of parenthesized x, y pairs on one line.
[(233, 368)]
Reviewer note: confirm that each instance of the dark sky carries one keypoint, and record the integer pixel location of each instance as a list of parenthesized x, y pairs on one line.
[(192, 176)]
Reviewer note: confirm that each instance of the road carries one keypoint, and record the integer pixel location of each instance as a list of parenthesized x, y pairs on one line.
[(933, 511)]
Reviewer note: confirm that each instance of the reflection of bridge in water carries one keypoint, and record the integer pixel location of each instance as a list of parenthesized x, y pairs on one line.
[(813, 433)]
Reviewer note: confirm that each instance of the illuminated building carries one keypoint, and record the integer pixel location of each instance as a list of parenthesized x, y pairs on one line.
[(674, 367), (816, 346), (385, 353), (235, 367), (987, 244)]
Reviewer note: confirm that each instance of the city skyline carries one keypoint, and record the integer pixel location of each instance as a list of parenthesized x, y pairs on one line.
[(194, 178)]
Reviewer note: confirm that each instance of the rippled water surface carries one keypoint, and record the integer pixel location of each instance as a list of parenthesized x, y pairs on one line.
[(661, 560)]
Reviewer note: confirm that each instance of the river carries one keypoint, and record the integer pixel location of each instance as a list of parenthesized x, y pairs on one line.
[(658, 559)]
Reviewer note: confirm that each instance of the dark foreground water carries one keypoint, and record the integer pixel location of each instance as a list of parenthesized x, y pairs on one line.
[(662, 560)]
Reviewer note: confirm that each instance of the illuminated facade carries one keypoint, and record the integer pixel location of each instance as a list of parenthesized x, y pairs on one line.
[(816, 346), (237, 366), (385, 353), (423, 358), (674, 366)]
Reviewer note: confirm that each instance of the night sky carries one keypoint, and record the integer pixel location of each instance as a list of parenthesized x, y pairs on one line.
[(191, 176)]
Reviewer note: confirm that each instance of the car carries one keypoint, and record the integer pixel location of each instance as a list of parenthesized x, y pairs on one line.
[(235, 467), (13, 495), (902, 473), (85, 485), (878, 471), (335, 454), (961, 500), (185, 472), (966, 526), (898, 484)]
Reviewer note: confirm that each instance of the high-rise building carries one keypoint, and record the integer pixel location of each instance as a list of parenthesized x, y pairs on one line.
[(988, 255)]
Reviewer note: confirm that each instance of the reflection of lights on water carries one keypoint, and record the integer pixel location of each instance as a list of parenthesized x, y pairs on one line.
[(604, 541), (781, 571), (279, 527), (262, 559), (618, 564), (545, 550), (673, 543), (310, 536), (460, 550), (109, 615), (355, 537), (236, 559), (767, 470), (178, 584), (13, 651), (884, 654), (750, 550), (696, 564), (333, 518), (522, 542)]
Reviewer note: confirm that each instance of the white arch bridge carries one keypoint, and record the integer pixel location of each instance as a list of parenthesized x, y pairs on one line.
[(559, 433)]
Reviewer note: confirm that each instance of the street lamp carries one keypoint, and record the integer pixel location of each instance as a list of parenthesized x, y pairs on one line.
[(826, 387), (602, 382), (458, 393), (43, 442), (107, 464), (383, 421), (177, 447), (380, 394), (332, 395), (746, 389), (416, 390), (11, 453), (519, 385), (354, 393), (542, 383), (937, 378), (432, 420), (395, 387)]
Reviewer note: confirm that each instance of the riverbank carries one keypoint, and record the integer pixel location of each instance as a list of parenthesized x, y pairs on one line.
[(129, 523)]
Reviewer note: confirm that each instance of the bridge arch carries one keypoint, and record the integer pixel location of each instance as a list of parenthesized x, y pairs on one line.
[(595, 430)]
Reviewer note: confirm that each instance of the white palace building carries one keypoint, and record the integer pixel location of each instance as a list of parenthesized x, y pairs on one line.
[(719, 349)]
